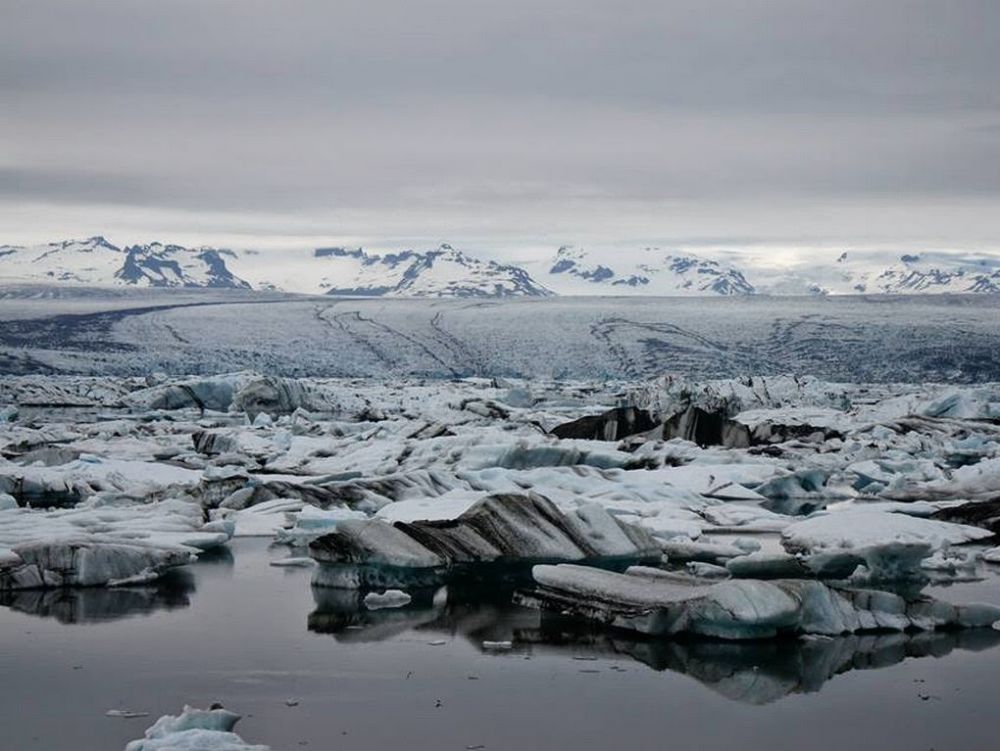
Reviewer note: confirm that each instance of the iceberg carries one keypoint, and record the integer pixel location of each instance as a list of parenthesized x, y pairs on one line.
[(611, 426), (88, 562), (496, 529), (890, 545), (102, 545), (194, 730), (738, 608)]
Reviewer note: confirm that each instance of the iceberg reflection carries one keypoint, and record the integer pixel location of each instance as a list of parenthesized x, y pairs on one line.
[(101, 604)]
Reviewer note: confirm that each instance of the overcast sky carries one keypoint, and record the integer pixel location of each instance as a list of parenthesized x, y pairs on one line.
[(505, 125)]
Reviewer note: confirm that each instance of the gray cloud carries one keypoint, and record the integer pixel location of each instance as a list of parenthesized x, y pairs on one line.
[(503, 119)]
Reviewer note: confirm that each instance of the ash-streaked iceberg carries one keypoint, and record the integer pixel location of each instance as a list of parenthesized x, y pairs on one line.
[(495, 530)]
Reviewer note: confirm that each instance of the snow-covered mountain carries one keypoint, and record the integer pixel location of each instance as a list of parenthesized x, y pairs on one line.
[(92, 261), (448, 272), (645, 271), (444, 272), (97, 262), (879, 273), (157, 265)]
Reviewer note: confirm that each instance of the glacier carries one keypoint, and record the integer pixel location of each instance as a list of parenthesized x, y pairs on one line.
[(146, 333)]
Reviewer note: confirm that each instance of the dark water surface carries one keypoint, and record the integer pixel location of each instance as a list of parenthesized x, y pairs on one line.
[(255, 637)]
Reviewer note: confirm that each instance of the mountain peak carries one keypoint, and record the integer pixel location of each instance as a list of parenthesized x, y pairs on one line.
[(647, 270), (442, 272), (446, 271)]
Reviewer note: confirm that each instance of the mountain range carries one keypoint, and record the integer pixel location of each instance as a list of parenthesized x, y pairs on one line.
[(448, 272)]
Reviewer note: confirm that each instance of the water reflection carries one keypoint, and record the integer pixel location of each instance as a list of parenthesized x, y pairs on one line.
[(766, 671), (756, 672), (101, 604)]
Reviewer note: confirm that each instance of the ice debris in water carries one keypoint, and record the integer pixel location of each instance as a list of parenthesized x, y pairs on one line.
[(387, 479), (391, 598), (194, 730)]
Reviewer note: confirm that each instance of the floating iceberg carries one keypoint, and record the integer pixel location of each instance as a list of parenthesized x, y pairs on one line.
[(194, 730), (497, 529), (738, 608), (88, 562), (98, 545), (391, 598), (890, 545)]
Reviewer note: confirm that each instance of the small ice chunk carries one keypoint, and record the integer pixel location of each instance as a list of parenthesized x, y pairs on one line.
[(707, 552), (498, 646), (262, 420), (948, 561), (312, 523), (746, 518), (766, 566), (391, 598), (194, 729), (707, 570), (265, 519)]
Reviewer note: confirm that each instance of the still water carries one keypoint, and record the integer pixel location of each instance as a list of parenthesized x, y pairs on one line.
[(310, 669)]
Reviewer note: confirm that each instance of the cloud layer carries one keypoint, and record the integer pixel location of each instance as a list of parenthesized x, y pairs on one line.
[(768, 122)]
